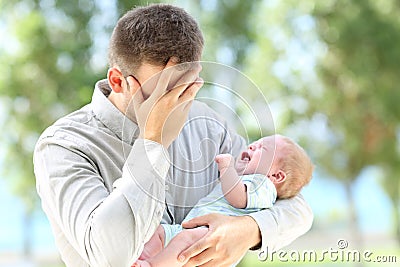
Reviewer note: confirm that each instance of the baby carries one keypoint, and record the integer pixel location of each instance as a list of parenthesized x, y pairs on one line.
[(272, 167)]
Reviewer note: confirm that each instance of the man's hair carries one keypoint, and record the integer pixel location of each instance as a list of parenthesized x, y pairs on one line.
[(153, 34), (298, 168)]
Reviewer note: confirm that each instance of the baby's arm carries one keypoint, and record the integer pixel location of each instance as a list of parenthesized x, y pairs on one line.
[(232, 186), (154, 246)]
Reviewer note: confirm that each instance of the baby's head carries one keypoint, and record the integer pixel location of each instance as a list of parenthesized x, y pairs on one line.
[(283, 161), (291, 169)]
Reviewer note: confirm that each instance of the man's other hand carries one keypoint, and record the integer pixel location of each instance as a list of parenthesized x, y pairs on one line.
[(227, 241)]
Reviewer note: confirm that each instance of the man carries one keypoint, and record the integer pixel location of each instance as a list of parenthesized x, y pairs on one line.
[(108, 173)]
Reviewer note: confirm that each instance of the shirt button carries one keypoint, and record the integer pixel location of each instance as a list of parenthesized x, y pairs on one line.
[(166, 187)]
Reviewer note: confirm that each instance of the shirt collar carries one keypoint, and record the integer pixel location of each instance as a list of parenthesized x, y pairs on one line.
[(110, 116)]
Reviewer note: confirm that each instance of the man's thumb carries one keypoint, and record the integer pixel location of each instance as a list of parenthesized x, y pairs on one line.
[(196, 222)]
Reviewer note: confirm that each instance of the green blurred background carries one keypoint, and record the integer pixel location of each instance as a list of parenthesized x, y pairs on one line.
[(329, 70)]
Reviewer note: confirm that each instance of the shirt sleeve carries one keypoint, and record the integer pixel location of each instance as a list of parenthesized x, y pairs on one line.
[(106, 228), (282, 224)]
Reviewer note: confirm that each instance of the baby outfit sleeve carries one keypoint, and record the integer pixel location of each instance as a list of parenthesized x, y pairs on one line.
[(171, 230), (261, 192)]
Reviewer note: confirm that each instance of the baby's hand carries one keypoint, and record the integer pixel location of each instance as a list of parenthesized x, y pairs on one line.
[(224, 161)]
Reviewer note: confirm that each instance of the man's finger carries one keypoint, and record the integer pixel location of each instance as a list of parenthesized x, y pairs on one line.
[(189, 79), (176, 77), (194, 250), (186, 106), (211, 263), (137, 92), (203, 259), (165, 77), (191, 92), (197, 221), (185, 101), (131, 84), (191, 73)]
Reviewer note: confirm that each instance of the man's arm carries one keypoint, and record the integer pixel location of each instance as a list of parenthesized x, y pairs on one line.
[(280, 225), (107, 229)]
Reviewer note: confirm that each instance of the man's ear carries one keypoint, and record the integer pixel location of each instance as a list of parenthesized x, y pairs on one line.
[(279, 177), (115, 79)]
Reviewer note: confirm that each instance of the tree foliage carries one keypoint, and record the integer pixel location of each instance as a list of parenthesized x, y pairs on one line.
[(360, 74), (48, 69)]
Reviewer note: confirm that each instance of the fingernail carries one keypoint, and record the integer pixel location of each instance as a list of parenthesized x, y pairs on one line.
[(127, 79), (174, 59), (181, 258)]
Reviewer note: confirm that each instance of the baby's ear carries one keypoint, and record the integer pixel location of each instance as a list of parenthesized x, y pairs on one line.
[(279, 176)]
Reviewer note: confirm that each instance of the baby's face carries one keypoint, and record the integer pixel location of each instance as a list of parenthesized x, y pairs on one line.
[(259, 156)]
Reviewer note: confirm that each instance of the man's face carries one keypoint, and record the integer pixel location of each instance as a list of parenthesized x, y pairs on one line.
[(148, 76)]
